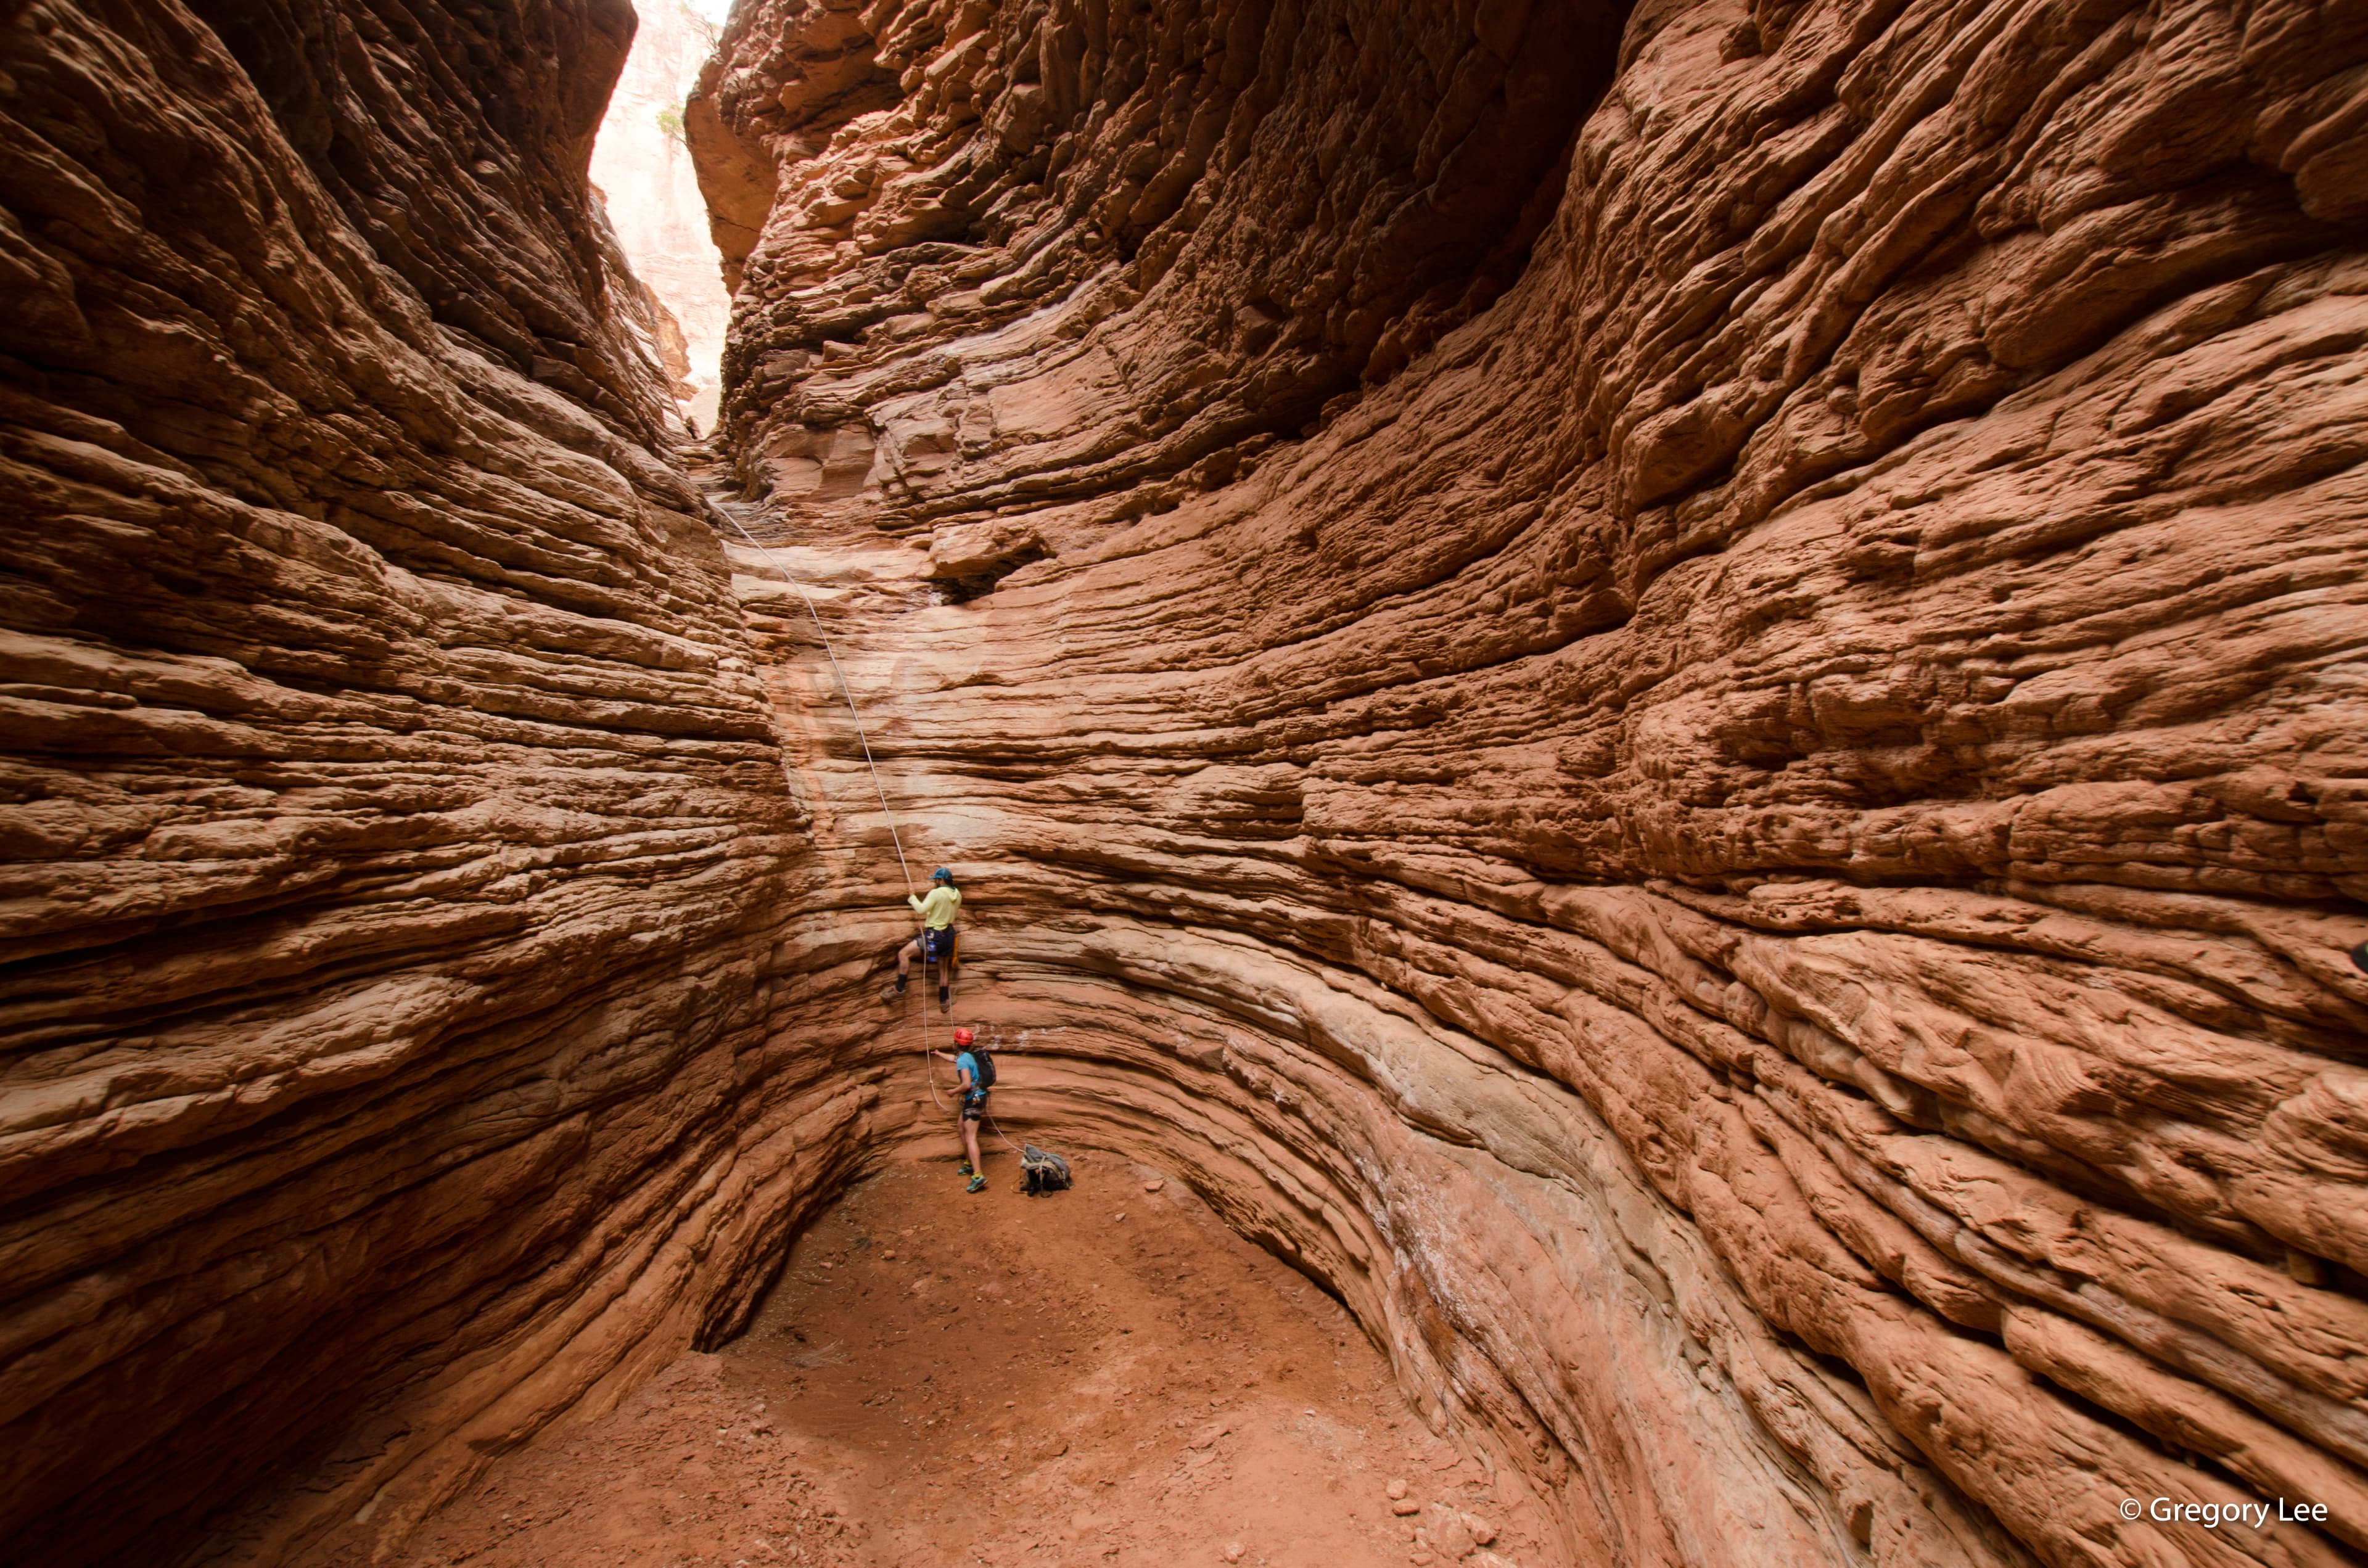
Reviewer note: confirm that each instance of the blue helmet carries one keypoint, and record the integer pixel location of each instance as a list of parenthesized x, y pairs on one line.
[(942, 875)]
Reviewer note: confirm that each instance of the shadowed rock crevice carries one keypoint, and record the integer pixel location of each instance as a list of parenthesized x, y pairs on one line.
[(500, 180), (1161, 236)]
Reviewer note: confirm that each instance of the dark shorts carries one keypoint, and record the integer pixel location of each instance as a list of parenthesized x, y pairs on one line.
[(974, 1105), (938, 944)]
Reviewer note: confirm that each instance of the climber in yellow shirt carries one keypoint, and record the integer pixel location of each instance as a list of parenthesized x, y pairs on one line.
[(936, 942)]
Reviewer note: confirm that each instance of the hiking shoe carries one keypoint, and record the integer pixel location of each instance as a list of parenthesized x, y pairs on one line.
[(964, 1169), (977, 1183), (945, 1000)]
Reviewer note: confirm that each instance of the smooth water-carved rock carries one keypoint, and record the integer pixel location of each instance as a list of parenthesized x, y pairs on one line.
[(393, 823), (1010, 176), (1751, 851), (1678, 696)]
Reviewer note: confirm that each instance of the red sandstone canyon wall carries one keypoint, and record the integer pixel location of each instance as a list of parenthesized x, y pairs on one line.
[(390, 818), (1676, 693), (1680, 694)]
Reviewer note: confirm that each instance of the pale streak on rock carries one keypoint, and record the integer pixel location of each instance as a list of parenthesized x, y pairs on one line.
[(641, 165)]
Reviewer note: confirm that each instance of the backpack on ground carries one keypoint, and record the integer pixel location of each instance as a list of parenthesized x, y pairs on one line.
[(1041, 1172)]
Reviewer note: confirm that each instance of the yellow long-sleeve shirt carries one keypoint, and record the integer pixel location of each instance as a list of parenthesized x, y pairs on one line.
[(937, 908)]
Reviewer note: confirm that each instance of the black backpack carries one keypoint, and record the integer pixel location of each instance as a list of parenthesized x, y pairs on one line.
[(1041, 1172), (984, 1079)]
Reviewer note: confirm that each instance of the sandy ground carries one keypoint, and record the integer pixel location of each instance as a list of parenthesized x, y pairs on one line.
[(1104, 1377)]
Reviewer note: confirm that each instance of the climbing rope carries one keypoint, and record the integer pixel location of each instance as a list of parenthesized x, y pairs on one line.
[(831, 652)]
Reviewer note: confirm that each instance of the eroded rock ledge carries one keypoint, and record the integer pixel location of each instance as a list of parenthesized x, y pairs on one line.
[(392, 819), (1676, 693), (1750, 851)]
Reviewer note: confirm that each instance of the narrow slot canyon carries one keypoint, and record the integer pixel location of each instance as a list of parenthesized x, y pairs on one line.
[(1654, 721)]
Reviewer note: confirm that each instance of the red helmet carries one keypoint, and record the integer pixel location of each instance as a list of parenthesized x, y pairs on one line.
[(964, 1037)]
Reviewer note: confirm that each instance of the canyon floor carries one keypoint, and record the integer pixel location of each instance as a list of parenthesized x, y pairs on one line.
[(1104, 1376)]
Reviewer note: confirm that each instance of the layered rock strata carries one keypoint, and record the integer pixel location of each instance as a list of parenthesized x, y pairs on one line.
[(1746, 843), (1676, 694), (392, 823), (1045, 182)]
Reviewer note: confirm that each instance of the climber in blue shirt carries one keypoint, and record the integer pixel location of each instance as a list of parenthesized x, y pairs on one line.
[(974, 1081)]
